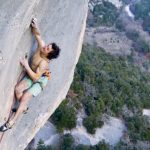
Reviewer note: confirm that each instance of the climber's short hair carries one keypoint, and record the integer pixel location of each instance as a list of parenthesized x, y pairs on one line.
[(55, 53)]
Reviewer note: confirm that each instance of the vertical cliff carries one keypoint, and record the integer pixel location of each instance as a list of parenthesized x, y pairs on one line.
[(60, 21)]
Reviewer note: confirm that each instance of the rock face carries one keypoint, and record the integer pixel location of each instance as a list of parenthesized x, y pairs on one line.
[(60, 21)]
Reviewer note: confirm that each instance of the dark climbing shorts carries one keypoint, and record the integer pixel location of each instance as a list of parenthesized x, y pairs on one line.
[(36, 87)]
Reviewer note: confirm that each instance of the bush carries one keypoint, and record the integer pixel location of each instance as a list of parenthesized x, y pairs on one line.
[(146, 24), (147, 135), (82, 147), (91, 123), (104, 14), (140, 9), (138, 128), (67, 142), (132, 35), (120, 25), (64, 117), (42, 146), (141, 46), (102, 146)]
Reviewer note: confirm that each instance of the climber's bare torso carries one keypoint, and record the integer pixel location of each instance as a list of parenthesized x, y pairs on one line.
[(37, 59)]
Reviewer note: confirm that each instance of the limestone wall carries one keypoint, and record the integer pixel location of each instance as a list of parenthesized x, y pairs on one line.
[(60, 21)]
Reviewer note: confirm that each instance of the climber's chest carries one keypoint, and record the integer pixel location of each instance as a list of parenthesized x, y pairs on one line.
[(35, 61)]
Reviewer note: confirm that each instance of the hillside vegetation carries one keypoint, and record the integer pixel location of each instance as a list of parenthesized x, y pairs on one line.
[(141, 10), (106, 84)]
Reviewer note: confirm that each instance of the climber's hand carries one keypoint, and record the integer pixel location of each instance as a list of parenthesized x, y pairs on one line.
[(34, 23), (24, 62)]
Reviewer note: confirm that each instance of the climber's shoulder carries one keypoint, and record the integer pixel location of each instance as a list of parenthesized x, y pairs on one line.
[(43, 63)]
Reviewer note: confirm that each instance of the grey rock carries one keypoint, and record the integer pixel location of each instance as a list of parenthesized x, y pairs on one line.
[(60, 21)]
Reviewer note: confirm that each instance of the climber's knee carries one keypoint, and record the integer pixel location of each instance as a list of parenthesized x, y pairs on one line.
[(26, 97), (17, 89), (18, 92), (20, 88)]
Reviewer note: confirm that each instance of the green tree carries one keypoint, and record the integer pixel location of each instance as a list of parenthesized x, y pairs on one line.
[(67, 142), (42, 146), (91, 123), (64, 117)]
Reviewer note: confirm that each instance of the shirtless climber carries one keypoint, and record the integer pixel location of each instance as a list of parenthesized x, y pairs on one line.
[(36, 77)]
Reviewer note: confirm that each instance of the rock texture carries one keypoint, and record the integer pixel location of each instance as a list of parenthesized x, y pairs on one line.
[(60, 21), (109, 39)]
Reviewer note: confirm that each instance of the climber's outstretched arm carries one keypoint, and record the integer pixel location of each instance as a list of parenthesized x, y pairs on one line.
[(36, 32)]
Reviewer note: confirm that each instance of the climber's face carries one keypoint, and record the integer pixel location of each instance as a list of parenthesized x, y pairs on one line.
[(47, 49)]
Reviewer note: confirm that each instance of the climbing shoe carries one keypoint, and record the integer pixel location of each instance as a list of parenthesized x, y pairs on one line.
[(5, 127)]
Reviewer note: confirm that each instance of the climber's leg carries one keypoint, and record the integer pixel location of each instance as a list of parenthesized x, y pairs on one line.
[(24, 84), (23, 106)]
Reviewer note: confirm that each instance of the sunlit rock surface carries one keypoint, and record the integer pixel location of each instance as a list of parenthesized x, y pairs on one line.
[(60, 21)]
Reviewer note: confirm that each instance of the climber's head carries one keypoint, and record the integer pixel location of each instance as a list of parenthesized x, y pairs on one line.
[(51, 50), (54, 51)]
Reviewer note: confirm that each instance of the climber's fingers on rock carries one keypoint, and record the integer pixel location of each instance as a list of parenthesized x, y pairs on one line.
[(21, 62), (33, 25), (34, 22)]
